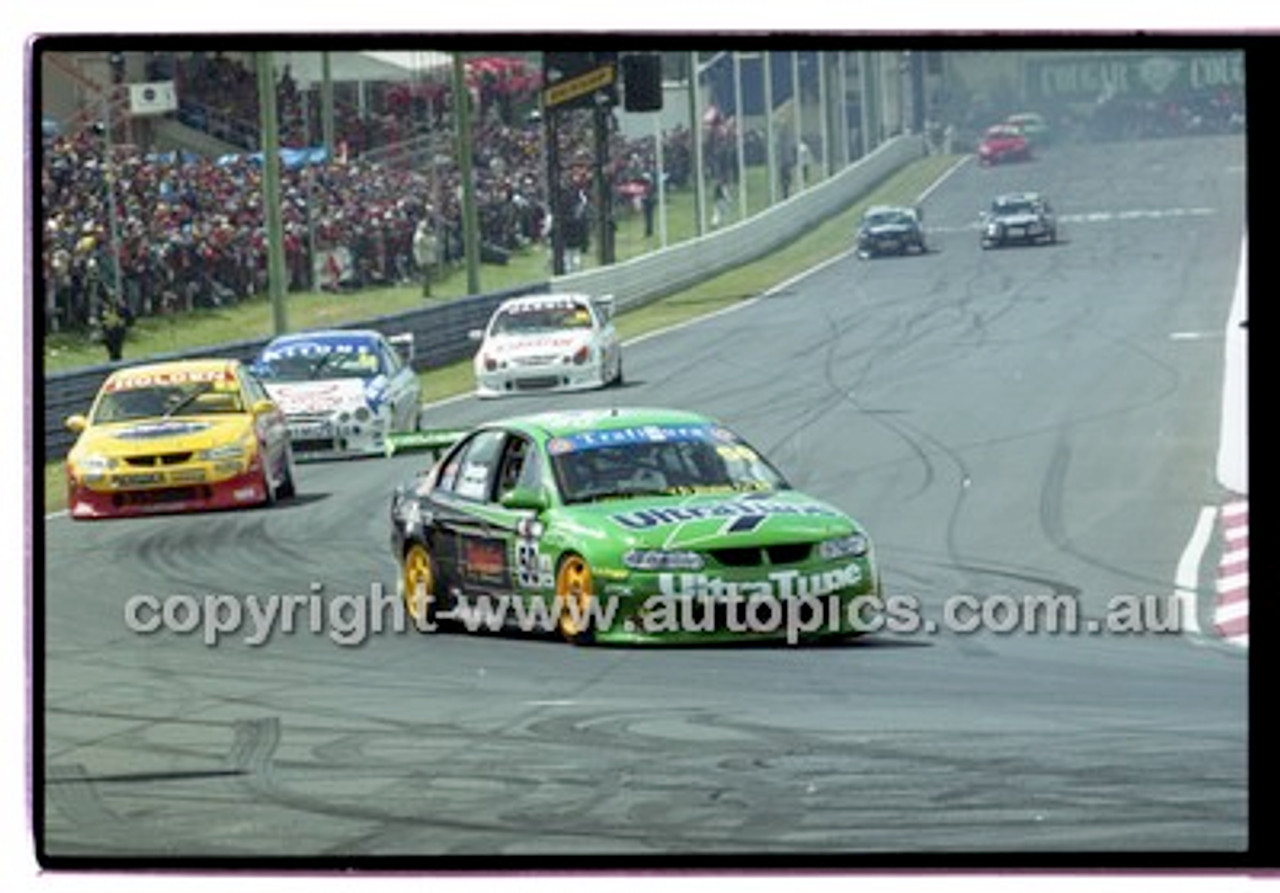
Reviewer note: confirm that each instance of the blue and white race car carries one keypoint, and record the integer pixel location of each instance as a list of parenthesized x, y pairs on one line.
[(342, 391)]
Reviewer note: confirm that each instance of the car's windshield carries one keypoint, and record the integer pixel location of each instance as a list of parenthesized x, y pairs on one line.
[(658, 459), (533, 318), (126, 402), (313, 361), (888, 218), (1019, 206)]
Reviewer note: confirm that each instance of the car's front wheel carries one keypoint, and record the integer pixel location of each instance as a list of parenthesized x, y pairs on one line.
[(574, 595)]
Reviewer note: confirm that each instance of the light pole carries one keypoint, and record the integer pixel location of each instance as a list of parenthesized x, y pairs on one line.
[(695, 122), (470, 223), (109, 178), (271, 191), (738, 120)]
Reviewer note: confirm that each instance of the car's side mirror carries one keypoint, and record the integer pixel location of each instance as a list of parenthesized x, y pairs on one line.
[(403, 346), (76, 423), (262, 407), (525, 498), (475, 335)]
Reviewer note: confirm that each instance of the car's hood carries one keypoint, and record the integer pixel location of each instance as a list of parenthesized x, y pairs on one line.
[(709, 521), (147, 437), (326, 395), (509, 346), (888, 229), (1016, 219)]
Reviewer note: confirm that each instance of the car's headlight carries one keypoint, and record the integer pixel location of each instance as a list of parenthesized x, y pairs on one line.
[(363, 414), (662, 560), (96, 463), (237, 450), (855, 545)]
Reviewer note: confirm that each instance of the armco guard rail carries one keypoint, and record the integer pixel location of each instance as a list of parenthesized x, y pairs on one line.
[(440, 330)]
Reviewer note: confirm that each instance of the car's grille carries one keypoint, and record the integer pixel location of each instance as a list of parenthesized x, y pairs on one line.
[(316, 445), (538, 383), (158, 459), (307, 418), (161, 495), (541, 360), (754, 556)]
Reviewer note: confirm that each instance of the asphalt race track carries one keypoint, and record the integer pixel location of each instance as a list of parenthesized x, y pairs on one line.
[(1017, 422)]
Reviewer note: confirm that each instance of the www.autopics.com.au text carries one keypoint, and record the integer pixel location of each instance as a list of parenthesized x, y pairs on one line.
[(351, 619)]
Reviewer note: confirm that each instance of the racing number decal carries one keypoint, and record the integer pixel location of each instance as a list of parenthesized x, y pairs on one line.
[(533, 569)]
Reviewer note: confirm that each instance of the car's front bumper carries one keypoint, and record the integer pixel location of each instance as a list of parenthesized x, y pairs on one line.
[(792, 606), (317, 439), (523, 379), (174, 489), (1022, 232)]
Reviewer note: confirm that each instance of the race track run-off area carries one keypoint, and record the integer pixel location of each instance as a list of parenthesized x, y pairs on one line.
[(1012, 424)]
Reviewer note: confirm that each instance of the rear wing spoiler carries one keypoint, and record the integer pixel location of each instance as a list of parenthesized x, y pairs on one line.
[(434, 442)]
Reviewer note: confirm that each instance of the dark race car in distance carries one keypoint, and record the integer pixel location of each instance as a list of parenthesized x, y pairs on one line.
[(890, 229), (1025, 217)]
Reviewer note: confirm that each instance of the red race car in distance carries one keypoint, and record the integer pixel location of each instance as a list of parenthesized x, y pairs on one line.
[(1001, 143)]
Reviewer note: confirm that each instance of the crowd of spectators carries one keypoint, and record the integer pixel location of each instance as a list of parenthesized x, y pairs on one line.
[(190, 230)]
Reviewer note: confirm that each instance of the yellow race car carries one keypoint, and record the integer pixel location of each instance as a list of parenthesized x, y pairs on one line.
[(178, 436)]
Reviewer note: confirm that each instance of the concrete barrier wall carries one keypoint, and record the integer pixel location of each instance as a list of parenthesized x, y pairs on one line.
[(440, 330), (677, 267)]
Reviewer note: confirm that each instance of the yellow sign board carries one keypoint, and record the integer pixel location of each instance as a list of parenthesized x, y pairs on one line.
[(572, 88)]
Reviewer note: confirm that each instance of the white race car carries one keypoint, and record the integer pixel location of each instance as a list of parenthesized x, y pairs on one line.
[(342, 391), (556, 342)]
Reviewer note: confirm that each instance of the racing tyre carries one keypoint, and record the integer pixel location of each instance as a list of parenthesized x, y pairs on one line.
[(574, 594), (288, 488), (418, 582), (273, 493)]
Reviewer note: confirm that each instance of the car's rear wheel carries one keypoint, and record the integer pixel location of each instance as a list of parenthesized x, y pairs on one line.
[(419, 582), (574, 592)]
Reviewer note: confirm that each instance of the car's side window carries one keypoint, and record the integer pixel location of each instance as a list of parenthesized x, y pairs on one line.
[(470, 472), (519, 467)]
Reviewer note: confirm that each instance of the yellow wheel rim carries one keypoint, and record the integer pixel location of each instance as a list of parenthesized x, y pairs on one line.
[(419, 584), (574, 588)]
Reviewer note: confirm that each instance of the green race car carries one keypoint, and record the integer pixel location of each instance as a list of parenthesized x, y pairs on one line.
[(625, 525)]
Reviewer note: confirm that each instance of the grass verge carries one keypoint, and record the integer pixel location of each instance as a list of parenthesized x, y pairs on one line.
[(822, 243)]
